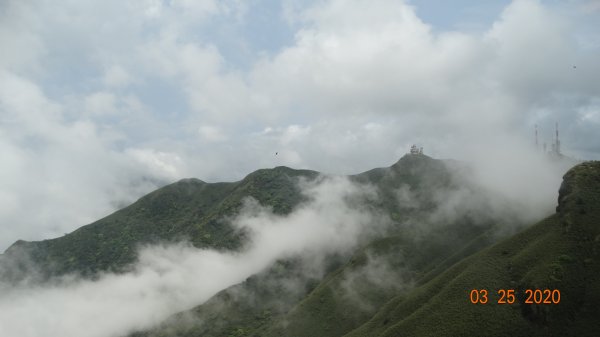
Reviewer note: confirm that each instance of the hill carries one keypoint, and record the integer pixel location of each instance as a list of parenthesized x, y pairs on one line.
[(189, 209), (558, 253), (418, 247), (561, 252), (440, 226), (196, 211)]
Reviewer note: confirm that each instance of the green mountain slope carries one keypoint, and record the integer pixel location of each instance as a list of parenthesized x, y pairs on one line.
[(419, 269), (562, 252), (281, 301), (194, 211), (396, 286), (351, 294), (186, 210)]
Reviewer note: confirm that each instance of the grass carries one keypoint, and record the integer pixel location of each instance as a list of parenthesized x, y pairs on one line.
[(560, 252), (349, 295)]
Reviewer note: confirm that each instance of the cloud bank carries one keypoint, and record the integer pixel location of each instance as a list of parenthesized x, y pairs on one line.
[(169, 279)]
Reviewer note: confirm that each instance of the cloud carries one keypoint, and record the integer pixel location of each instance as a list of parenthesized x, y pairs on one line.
[(169, 279), (116, 76), (377, 275), (57, 174), (100, 103), (129, 87), (212, 133)]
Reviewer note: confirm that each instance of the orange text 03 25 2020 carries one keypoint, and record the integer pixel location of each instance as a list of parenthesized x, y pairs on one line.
[(509, 296)]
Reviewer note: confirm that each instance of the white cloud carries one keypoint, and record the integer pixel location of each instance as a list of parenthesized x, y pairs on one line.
[(169, 279), (212, 133), (116, 76), (161, 164), (100, 103), (294, 133), (56, 174)]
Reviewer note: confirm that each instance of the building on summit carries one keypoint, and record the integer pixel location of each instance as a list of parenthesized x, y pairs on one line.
[(415, 150)]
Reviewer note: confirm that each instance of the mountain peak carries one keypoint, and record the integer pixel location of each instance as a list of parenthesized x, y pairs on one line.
[(190, 181), (579, 192), (413, 158)]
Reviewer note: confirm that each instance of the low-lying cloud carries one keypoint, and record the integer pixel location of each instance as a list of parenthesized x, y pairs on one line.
[(168, 279), (336, 217), (91, 119)]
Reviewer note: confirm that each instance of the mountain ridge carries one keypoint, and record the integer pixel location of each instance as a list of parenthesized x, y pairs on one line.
[(429, 253), (532, 258), (187, 210)]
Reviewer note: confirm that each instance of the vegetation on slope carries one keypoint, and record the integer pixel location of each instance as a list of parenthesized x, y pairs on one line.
[(350, 295), (413, 279), (360, 299), (562, 252), (195, 211), (190, 210)]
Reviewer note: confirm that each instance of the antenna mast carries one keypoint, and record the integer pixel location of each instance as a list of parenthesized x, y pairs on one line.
[(557, 140)]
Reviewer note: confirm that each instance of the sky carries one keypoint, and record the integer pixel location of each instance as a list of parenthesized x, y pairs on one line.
[(101, 102)]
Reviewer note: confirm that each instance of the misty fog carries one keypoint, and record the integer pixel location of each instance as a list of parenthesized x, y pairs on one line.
[(169, 279), (101, 103)]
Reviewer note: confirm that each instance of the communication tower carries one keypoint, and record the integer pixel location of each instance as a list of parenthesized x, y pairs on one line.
[(557, 144)]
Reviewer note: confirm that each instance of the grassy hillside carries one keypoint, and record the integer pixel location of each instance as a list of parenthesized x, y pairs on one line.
[(413, 279), (194, 210), (283, 301), (399, 286), (562, 252), (186, 210), (350, 294)]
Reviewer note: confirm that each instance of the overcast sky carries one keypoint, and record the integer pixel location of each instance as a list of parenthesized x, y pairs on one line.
[(101, 101)]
